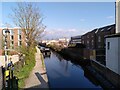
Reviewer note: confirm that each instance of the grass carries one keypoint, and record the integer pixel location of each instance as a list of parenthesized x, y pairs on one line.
[(22, 71)]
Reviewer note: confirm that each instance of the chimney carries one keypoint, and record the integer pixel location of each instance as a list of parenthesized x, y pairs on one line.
[(117, 16)]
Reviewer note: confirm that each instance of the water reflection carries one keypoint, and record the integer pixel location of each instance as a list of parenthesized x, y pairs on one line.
[(63, 73)]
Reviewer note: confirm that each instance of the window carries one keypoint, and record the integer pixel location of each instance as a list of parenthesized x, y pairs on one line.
[(19, 32), (19, 37), (12, 47), (92, 42), (11, 32), (19, 43), (99, 39), (11, 37), (12, 44), (99, 46), (108, 45), (87, 36), (87, 42), (83, 42), (3, 31)]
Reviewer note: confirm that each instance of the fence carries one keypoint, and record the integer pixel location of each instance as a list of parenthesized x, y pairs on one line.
[(1, 78)]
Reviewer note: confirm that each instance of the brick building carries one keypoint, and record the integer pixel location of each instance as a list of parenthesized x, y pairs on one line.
[(14, 39), (89, 39), (95, 38), (102, 32), (95, 42)]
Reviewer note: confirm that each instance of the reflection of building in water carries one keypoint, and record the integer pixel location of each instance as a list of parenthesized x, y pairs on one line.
[(90, 77), (63, 63), (59, 57)]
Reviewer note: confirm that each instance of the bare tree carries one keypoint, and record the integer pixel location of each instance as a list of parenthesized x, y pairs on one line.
[(27, 16)]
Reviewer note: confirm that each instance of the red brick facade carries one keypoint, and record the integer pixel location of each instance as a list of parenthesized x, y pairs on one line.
[(95, 42), (14, 39)]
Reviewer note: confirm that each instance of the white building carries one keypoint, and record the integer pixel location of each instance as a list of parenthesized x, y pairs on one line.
[(117, 16), (113, 45), (113, 53)]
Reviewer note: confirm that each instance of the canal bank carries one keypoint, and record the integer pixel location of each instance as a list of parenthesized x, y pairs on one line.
[(38, 77)]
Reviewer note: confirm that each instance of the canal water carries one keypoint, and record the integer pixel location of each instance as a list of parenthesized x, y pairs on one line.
[(62, 73)]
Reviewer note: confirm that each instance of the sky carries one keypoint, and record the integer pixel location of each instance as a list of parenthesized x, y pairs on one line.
[(66, 19)]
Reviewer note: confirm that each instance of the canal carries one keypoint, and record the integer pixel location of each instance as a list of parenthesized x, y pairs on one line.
[(62, 73)]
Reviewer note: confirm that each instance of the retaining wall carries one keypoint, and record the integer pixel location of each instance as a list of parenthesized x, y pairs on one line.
[(107, 73)]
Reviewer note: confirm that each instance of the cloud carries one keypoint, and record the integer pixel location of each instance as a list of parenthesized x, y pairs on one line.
[(59, 33), (72, 30), (109, 17)]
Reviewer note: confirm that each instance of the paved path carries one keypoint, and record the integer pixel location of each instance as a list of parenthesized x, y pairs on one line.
[(38, 77)]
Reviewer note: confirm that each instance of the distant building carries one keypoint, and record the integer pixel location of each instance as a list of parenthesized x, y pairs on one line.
[(75, 39)]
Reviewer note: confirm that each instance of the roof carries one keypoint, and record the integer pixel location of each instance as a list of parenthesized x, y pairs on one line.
[(97, 30), (76, 37), (113, 35), (105, 28)]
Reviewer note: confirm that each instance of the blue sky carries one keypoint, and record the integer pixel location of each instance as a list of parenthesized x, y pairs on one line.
[(65, 19)]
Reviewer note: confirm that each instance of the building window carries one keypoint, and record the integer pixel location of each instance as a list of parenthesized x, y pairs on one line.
[(83, 42), (11, 32), (99, 46), (99, 39), (19, 32), (87, 42), (19, 37), (92, 42), (87, 36), (12, 44), (108, 45), (11, 37), (19, 43)]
